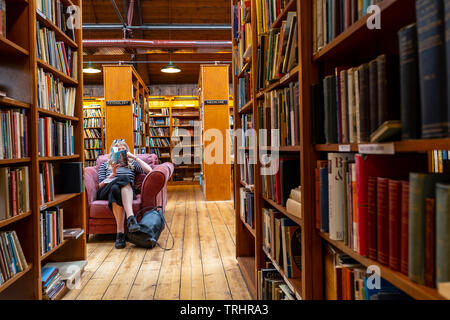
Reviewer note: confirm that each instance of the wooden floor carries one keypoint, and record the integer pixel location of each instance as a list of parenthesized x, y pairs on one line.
[(201, 265)]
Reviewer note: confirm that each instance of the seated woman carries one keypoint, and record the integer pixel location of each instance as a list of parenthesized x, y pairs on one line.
[(116, 184)]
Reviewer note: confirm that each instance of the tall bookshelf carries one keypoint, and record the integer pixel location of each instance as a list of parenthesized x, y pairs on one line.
[(18, 78), (126, 107), (159, 110), (94, 130), (354, 46)]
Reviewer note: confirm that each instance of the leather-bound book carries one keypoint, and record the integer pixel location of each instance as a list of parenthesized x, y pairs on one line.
[(373, 91), (430, 242), (442, 233), (395, 192), (388, 96), (364, 104), (372, 218), (404, 228), (383, 220)]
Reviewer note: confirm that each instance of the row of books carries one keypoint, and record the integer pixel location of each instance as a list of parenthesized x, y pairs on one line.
[(162, 112), (158, 121), (282, 240), (440, 161), (247, 169), (89, 163), (159, 132), (92, 154), (14, 129), (92, 122), (185, 122), (280, 115), (56, 53), (138, 125), (272, 286), (46, 182), (186, 114), (248, 138), (3, 18), (247, 207), (267, 12), (159, 142), (93, 143), (332, 17), (346, 279), (12, 259), (92, 134), (91, 113), (55, 138), (138, 139), (277, 53), (381, 208), (53, 95), (242, 33), (14, 191), (56, 12), (244, 89), (285, 177), (178, 132), (139, 150), (137, 110), (51, 224)]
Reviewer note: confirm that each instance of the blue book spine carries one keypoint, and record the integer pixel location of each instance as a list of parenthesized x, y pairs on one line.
[(431, 44), (324, 216), (330, 20)]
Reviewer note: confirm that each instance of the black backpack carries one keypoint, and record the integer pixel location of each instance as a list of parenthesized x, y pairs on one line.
[(152, 224)]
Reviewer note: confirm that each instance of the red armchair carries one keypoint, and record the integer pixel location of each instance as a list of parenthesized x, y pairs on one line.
[(153, 187)]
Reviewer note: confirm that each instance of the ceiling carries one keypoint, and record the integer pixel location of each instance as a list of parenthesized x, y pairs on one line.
[(202, 20)]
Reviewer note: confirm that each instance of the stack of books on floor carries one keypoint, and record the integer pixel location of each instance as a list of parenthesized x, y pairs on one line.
[(14, 138), (14, 192), (51, 228), (346, 279), (52, 284), (12, 259), (272, 286)]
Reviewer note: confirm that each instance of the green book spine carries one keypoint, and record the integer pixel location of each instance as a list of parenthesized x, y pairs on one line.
[(442, 233)]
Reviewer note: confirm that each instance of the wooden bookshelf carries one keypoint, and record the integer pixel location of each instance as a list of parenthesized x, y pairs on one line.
[(97, 104), (18, 69)]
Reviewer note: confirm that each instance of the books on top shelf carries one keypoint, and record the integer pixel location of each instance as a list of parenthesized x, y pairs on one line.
[(243, 34), (282, 240), (55, 138), (56, 53), (51, 221), (331, 18), (53, 95), (14, 191), (272, 286), (346, 279), (56, 12), (267, 12), (12, 259), (14, 139)]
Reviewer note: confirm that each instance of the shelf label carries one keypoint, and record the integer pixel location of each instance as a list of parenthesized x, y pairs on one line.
[(118, 103), (345, 148), (377, 148), (216, 102)]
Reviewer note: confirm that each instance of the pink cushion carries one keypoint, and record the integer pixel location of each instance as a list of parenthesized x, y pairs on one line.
[(99, 208)]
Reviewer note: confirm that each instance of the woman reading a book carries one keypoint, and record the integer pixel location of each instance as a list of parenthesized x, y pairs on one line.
[(116, 184)]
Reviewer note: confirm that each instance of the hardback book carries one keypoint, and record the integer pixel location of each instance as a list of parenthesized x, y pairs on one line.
[(73, 233), (442, 234), (337, 194), (294, 208), (388, 108), (430, 242), (372, 218), (409, 83), (388, 131), (373, 92), (72, 180), (394, 234), (364, 104), (404, 228), (320, 164), (383, 220), (432, 74), (324, 200), (330, 109), (421, 187)]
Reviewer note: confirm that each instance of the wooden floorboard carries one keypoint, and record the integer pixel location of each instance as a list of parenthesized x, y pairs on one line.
[(201, 264)]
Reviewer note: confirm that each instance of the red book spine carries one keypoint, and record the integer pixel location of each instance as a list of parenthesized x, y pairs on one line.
[(278, 187), (383, 220), (317, 171), (361, 204), (404, 228), (13, 193), (395, 189), (430, 242), (372, 218)]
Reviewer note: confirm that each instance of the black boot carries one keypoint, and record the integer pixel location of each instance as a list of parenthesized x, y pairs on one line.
[(132, 224), (120, 240)]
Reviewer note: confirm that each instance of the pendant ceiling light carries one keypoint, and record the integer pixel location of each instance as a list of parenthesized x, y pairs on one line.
[(170, 68), (91, 69)]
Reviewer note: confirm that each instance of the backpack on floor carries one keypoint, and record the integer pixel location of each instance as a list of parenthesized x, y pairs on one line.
[(152, 224)]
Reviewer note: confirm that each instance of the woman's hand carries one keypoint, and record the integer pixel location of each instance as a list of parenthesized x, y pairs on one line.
[(131, 156)]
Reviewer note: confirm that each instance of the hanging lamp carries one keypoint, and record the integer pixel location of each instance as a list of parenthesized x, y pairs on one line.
[(170, 68), (91, 69)]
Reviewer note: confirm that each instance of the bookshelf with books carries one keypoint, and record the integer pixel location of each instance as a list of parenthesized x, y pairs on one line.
[(126, 107), (94, 129), (29, 113), (383, 122)]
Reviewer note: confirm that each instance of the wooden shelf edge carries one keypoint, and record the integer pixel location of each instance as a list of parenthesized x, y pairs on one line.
[(14, 103), (14, 161), (250, 187), (294, 284), (283, 14), (58, 115), (16, 277), (283, 210), (75, 156), (398, 279), (13, 46), (59, 198), (247, 108), (248, 271), (62, 76), (249, 228), (5, 222), (49, 24), (49, 253)]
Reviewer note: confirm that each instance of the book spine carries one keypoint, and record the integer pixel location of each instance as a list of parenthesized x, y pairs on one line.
[(383, 220), (404, 228), (442, 233), (394, 223), (317, 198), (409, 83), (430, 242), (364, 105), (416, 238), (324, 200), (372, 218), (373, 91), (431, 42)]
